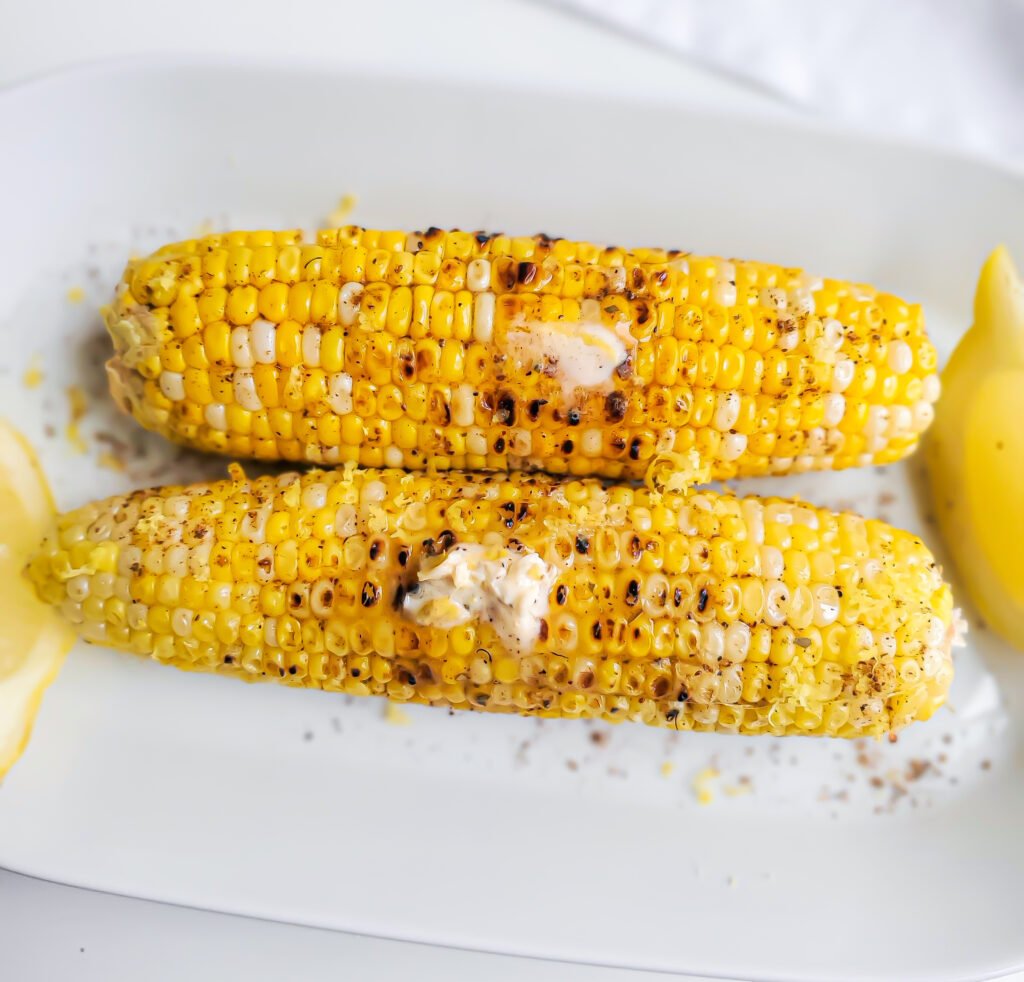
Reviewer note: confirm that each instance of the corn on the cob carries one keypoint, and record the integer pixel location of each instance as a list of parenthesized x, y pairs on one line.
[(517, 593), (455, 349)]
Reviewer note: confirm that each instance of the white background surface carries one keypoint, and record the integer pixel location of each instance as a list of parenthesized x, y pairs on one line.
[(44, 927), (941, 72)]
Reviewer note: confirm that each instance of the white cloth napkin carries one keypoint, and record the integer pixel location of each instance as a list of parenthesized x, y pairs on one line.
[(946, 72)]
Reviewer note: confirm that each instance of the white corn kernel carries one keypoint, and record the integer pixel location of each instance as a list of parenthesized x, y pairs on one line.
[(807, 517), (732, 446), (753, 518), (935, 631), (776, 603), (779, 512), (834, 408), (826, 605), (478, 275), (199, 559), (656, 591), (339, 393), (723, 291), (176, 560), (842, 374), (832, 333), (483, 317), (712, 643), (773, 298), (899, 357), (244, 387), (349, 298), (181, 622), (314, 495), (800, 301), (771, 562), (932, 660), (264, 342), (172, 385), (666, 440), (311, 346), (878, 420), (129, 559), (924, 413), (737, 641), (176, 506), (590, 311), (463, 405), (901, 419), (153, 560), (138, 616), (789, 335), (241, 347), (78, 588), (101, 529), (727, 410), (373, 493), (346, 521), (216, 417), (476, 442)]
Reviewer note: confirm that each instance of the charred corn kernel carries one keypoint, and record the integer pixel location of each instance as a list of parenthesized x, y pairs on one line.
[(758, 368), (693, 611)]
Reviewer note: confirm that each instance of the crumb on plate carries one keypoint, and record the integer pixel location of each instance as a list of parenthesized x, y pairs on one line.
[(77, 406), (345, 206), (703, 785), (33, 376), (395, 716), (110, 461)]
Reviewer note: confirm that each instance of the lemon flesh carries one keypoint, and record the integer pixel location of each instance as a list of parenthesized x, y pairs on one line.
[(975, 452), (33, 637)]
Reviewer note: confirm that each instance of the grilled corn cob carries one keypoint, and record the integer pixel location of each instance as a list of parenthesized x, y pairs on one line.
[(455, 349), (517, 593)]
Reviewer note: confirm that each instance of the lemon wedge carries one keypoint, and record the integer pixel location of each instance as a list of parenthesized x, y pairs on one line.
[(34, 638), (975, 451)]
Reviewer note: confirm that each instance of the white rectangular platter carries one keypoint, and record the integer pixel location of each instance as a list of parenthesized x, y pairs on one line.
[(807, 860)]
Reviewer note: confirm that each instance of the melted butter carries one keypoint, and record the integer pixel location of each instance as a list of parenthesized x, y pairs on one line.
[(581, 355), (505, 587)]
